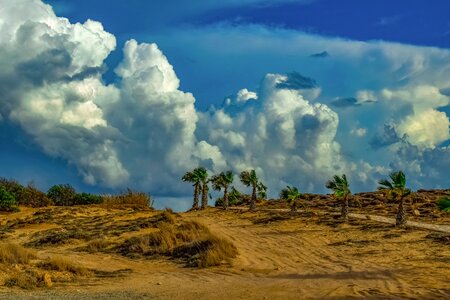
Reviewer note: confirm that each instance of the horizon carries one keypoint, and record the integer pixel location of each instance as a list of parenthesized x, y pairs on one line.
[(138, 94)]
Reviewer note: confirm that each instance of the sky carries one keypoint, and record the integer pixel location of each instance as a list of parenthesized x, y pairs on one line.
[(106, 95)]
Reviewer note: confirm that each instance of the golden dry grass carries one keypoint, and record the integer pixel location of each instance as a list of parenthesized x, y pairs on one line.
[(96, 245), (15, 254), (190, 241), (127, 199), (62, 264)]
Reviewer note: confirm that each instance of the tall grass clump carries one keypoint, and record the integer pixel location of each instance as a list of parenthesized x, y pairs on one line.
[(62, 264), (190, 242), (128, 199), (15, 254)]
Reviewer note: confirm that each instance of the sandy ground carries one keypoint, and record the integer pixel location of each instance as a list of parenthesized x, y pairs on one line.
[(307, 256)]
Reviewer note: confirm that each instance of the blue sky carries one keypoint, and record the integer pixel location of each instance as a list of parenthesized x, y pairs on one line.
[(97, 105)]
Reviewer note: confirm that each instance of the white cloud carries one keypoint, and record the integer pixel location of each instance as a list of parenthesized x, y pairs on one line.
[(360, 132), (428, 128), (144, 131), (285, 137)]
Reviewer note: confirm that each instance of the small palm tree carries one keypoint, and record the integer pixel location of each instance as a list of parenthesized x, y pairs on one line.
[(249, 178), (341, 188), (397, 189), (291, 194), (223, 181), (195, 177)]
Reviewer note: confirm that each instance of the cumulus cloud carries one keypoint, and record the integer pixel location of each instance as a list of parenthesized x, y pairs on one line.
[(282, 135), (144, 131)]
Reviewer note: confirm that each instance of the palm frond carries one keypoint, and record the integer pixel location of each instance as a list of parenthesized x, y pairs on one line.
[(385, 184)]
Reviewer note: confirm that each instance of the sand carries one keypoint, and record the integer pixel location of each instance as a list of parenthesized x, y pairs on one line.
[(281, 256)]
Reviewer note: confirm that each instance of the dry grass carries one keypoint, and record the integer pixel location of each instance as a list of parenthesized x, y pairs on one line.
[(57, 237), (96, 245), (191, 242), (24, 280), (127, 199), (15, 254), (62, 264)]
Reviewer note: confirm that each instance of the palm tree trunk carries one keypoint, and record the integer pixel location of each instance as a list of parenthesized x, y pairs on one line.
[(196, 192), (205, 195), (344, 209), (225, 198), (253, 200), (401, 214)]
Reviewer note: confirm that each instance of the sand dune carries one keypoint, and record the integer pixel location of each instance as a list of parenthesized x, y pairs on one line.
[(281, 256)]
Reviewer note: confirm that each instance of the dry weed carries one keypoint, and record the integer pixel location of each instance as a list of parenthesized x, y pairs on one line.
[(15, 254), (191, 242), (62, 264), (127, 199)]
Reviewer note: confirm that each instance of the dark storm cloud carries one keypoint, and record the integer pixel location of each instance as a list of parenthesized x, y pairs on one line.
[(320, 54), (345, 102), (386, 137), (296, 81)]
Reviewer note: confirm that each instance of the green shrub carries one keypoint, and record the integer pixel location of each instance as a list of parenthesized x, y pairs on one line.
[(444, 204), (7, 201), (234, 198), (62, 194), (86, 198)]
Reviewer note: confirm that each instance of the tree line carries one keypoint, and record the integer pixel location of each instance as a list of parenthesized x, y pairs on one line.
[(395, 187)]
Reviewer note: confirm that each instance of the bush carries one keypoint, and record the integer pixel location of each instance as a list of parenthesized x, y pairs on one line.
[(28, 196), (444, 204), (86, 198), (7, 201), (234, 198), (62, 194), (33, 197)]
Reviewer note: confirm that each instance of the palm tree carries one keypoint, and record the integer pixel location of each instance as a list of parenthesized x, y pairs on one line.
[(291, 194), (223, 181), (205, 188), (341, 188), (249, 178), (397, 189), (195, 177)]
